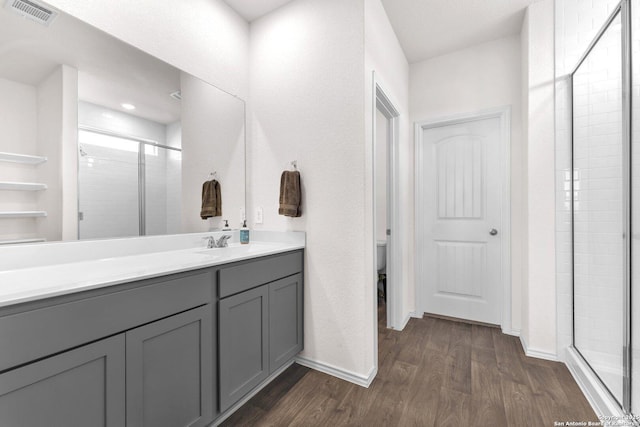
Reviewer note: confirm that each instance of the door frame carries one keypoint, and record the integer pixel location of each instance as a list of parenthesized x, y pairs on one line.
[(382, 102), (504, 114)]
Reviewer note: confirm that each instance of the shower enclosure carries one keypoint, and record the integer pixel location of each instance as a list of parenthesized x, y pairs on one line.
[(127, 186), (603, 192)]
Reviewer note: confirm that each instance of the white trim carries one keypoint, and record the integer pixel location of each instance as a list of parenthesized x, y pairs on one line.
[(22, 186), (538, 354), (597, 395), (504, 114), (22, 158), (23, 214), (334, 371), (511, 331), (252, 393), (409, 316), (382, 102)]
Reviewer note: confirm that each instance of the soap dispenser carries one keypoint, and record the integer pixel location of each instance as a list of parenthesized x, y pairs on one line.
[(226, 226), (244, 233)]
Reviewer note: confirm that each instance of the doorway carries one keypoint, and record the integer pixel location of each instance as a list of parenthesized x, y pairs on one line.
[(385, 206), (462, 217)]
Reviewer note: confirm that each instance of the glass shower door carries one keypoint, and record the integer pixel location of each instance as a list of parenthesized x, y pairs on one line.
[(108, 179), (599, 210)]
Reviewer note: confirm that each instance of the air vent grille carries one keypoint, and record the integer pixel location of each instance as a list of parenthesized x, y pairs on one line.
[(32, 10), (176, 95)]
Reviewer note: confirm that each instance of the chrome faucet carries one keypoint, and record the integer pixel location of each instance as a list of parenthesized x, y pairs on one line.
[(220, 243)]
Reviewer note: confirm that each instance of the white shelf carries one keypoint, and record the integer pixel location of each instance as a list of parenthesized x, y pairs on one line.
[(22, 186), (22, 158), (23, 214), (15, 242)]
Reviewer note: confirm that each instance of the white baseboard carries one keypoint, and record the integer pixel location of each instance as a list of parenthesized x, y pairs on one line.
[(539, 354), (511, 331), (407, 318), (352, 377), (597, 395)]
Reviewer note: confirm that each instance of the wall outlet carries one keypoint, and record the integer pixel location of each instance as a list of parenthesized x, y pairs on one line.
[(259, 216)]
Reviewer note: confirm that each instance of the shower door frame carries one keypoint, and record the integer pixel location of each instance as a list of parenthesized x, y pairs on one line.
[(142, 143), (624, 10)]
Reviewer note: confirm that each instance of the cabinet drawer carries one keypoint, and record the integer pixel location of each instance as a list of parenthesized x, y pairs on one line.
[(247, 275), (39, 333)]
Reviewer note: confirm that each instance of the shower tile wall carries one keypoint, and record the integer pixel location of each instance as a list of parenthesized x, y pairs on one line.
[(108, 192)]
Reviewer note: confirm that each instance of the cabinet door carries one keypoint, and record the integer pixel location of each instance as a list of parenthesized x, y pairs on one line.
[(243, 344), (169, 371), (285, 320), (81, 387)]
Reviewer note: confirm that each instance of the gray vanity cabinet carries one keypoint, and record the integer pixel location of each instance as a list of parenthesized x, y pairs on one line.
[(243, 339), (285, 320), (260, 325), (137, 354), (82, 387), (169, 371)]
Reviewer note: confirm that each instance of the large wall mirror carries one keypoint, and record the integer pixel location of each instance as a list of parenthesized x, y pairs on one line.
[(102, 140)]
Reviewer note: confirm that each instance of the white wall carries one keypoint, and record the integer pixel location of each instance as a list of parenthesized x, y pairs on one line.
[(385, 57), (213, 129), (524, 163), (205, 38), (57, 140), (307, 104), (539, 292), (18, 112), (474, 79)]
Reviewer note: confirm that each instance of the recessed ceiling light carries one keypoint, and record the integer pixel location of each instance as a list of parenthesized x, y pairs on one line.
[(128, 106)]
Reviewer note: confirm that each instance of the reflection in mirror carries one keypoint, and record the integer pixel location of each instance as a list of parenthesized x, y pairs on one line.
[(102, 140)]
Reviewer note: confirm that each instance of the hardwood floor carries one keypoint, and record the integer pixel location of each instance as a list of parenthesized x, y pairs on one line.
[(436, 373)]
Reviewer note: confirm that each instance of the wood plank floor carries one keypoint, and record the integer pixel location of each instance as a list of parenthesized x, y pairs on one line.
[(434, 373)]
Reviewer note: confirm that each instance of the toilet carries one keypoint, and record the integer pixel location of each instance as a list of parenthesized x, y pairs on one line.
[(381, 266), (381, 262)]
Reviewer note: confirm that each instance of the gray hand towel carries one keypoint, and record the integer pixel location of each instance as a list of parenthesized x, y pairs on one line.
[(290, 194), (211, 199)]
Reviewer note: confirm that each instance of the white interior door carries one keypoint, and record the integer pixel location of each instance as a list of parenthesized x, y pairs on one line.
[(461, 213)]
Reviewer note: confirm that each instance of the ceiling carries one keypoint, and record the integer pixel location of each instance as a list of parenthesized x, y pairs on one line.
[(110, 72), (428, 28), (254, 9)]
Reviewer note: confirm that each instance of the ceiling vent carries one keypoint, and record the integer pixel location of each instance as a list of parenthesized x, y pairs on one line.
[(32, 10), (176, 95)]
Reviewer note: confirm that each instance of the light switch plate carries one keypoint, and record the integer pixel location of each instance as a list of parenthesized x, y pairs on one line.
[(259, 216)]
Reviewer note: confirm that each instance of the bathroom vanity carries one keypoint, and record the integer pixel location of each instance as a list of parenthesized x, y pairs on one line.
[(179, 345)]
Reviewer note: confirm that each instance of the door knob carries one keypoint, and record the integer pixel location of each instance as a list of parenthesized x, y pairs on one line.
[(493, 231)]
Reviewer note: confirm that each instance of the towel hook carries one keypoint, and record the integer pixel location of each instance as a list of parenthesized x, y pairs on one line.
[(213, 175), (294, 164)]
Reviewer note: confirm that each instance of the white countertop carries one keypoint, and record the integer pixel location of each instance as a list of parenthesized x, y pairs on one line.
[(28, 284)]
